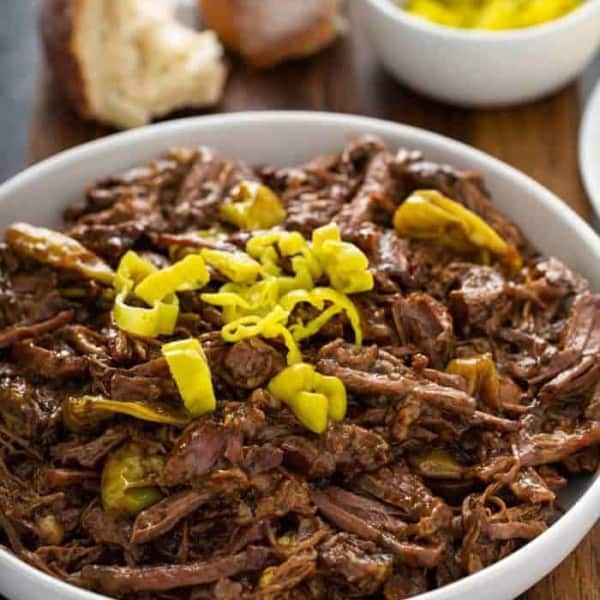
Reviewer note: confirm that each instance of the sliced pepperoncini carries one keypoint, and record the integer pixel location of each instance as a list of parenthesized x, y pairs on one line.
[(270, 326), (239, 300), (128, 480), (263, 308), (83, 412), (57, 250), (146, 322), (317, 297), (189, 368), (189, 273), (268, 247), (236, 266), (491, 14), (428, 215), (140, 320), (480, 374), (156, 288), (344, 263), (263, 248), (253, 206), (312, 397), (132, 269)]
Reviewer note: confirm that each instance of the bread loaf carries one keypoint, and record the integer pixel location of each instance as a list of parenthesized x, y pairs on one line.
[(266, 32), (125, 62)]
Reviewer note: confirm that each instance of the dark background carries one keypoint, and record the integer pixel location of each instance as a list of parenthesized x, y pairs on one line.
[(18, 74)]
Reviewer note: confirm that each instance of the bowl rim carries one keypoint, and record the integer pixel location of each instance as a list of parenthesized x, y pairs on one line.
[(482, 36), (585, 510), (588, 141)]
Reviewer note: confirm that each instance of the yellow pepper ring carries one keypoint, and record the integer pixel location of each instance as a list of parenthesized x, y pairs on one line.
[(345, 264), (270, 326), (157, 288), (312, 397), (132, 269), (267, 247), (236, 266), (300, 331), (190, 273), (189, 368), (317, 298), (311, 409), (146, 322)]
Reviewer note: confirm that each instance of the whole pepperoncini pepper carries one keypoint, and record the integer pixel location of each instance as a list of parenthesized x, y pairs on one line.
[(84, 412), (57, 250), (128, 479), (428, 215)]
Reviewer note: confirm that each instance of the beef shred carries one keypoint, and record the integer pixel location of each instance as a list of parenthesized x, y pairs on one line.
[(428, 479)]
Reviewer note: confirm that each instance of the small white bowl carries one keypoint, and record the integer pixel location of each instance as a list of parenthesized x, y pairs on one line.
[(41, 193), (482, 68)]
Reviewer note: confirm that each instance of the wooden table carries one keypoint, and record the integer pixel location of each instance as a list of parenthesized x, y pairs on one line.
[(540, 139)]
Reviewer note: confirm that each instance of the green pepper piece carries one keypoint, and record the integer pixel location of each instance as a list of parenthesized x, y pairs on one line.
[(85, 412), (127, 479)]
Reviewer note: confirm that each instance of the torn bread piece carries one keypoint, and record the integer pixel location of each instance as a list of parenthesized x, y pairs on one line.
[(267, 32), (125, 62)]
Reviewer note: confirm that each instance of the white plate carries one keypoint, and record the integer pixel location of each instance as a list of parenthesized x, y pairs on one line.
[(589, 149), (40, 193)]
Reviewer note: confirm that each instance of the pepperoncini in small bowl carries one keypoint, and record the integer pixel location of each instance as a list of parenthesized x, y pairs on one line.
[(491, 14), (484, 53)]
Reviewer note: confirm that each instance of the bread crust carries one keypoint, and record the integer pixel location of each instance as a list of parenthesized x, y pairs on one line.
[(224, 16), (58, 24), (221, 16)]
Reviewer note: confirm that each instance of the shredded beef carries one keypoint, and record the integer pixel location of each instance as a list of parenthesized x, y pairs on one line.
[(123, 580), (425, 322), (433, 474)]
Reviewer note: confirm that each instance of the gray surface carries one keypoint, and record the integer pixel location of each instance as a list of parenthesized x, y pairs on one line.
[(18, 73)]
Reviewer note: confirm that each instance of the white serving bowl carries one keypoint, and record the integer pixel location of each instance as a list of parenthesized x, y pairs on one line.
[(40, 193), (482, 68)]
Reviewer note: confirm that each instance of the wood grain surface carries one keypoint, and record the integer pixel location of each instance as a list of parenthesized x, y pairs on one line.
[(540, 139)]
